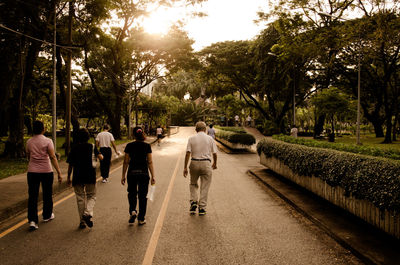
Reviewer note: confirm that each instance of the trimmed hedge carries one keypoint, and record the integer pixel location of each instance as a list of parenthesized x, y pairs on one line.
[(235, 137), (231, 129), (357, 149), (376, 180)]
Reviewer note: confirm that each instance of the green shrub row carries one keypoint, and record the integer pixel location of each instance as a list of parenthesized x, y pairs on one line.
[(376, 180), (236, 138), (357, 149), (231, 129)]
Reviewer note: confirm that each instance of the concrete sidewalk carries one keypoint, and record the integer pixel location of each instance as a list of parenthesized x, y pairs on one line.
[(14, 189), (256, 133)]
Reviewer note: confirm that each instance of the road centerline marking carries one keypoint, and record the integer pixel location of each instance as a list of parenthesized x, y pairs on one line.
[(151, 248)]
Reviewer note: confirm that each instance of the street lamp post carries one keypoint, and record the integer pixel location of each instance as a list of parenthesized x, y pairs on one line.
[(358, 101), (358, 81), (54, 92), (294, 100)]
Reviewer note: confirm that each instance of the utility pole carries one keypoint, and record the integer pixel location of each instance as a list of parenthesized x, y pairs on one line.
[(358, 100), (54, 96), (129, 115), (294, 98), (69, 83)]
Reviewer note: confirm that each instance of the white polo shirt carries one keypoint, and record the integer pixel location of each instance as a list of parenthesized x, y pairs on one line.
[(201, 146), (105, 139)]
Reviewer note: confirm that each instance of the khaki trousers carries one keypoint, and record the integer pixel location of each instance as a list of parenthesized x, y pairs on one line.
[(200, 170), (85, 198)]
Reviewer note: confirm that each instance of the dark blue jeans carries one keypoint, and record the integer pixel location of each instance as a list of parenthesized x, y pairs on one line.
[(34, 180), (105, 163), (138, 185)]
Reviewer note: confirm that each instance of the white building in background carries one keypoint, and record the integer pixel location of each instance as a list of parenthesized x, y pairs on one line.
[(148, 90)]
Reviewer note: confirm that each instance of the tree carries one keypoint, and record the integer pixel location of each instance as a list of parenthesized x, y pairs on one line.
[(122, 63), (332, 103), (20, 52), (230, 106)]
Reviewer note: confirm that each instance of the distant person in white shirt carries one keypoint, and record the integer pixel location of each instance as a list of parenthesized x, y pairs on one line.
[(294, 131), (248, 119), (211, 131), (104, 140), (201, 147), (237, 120), (159, 132)]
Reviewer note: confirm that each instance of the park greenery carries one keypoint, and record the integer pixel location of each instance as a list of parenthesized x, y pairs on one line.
[(352, 148), (367, 178), (234, 135), (309, 51)]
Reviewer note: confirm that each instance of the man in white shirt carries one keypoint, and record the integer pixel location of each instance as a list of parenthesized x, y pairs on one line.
[(201, 147), (104, 140)]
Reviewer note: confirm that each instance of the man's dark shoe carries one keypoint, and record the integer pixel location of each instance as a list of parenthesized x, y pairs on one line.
[(132, 218), (202, 211), (193, 207), (82, 225), (88, 221)]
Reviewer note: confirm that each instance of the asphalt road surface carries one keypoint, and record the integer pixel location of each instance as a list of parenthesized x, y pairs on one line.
[(245, 223)]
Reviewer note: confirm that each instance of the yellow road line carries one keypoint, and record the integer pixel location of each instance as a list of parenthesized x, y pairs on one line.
[(151, 248), (18, 225)]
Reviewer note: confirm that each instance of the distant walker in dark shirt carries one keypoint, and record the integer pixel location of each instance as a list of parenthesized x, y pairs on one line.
[(138, 157), (81, 160), (211, 131)]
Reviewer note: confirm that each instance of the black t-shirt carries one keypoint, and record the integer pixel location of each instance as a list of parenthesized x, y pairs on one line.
[(80, 158), (137, 152)]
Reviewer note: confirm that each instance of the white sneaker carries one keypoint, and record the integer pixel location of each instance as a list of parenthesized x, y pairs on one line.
[(49, 219), (105, 181), (33, 226)]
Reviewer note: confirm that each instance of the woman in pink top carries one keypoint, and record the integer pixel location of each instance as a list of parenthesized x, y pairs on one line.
[(40, 152)]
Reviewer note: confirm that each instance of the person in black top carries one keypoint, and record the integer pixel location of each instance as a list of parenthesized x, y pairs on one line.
[(82, 161), (138, 157)]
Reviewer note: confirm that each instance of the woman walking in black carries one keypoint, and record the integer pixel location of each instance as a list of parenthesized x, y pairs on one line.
[(82, 162), (138, 157)]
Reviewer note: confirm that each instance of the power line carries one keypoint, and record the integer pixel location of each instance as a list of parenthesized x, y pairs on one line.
[(43, 41)]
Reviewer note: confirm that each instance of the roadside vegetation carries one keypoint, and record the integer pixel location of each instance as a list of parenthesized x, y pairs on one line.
[(15, 166), (371, 178), (235, 135), (370, 147)]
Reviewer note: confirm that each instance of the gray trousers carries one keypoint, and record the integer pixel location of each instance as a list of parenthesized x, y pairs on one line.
[(200, 170), (85, 198)]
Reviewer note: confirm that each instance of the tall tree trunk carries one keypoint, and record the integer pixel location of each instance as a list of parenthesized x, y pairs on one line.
[(388, 134), (377, 127), (15, 144), (394, 133), (319, 125)]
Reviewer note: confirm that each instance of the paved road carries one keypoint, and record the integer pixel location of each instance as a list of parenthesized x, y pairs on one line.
[(245, 224)]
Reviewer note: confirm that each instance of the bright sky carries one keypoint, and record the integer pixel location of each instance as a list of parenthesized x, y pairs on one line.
[(226, 20)]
